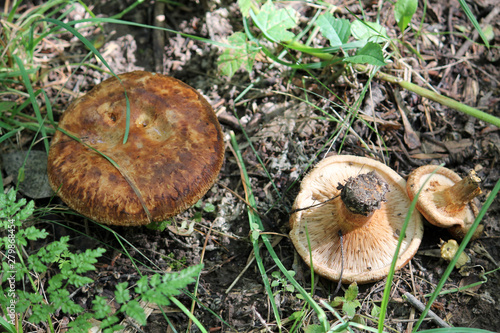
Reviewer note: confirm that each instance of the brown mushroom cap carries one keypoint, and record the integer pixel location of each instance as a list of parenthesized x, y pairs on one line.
[(172, 157), (446, 199), (368, 248)]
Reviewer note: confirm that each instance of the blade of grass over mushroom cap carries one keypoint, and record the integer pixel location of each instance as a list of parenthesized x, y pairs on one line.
[(101, 58), (254, 220), (120, 170), (461, 248), (390, 276)]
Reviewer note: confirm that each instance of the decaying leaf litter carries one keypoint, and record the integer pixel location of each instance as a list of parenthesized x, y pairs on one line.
[(288, 135)]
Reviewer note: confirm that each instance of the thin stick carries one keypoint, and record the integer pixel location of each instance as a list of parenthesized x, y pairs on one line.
[(420, 307)]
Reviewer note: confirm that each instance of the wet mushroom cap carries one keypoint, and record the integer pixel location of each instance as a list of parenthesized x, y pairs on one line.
[(172, 157), (445, 200), (368, 249)]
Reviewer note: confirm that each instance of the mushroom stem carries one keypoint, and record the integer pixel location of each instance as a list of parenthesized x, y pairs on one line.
[(361, 197), (454, 198)]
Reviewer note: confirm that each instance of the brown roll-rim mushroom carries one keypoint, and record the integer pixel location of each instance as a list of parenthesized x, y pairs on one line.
[(369, 242), (172, 157), (446, 200)]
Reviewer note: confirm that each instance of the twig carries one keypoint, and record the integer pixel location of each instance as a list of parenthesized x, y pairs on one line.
[(420, 307), (262, 321)]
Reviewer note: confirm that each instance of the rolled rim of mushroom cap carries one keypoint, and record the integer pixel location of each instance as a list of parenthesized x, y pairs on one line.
[(172, 157), (368, 250), (432, 200)]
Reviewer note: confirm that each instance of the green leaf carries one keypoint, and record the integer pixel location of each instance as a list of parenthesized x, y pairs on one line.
[(242, 55), (84, 262), (371, 54), (40, 312), (350, 308), (404, 11), (209, 208), (107, 324), (375, 312), (369, 31), (134, 310), (142, 285), (156, 297), (352, 292), (101, 307), (60, 299), (314, 328), (121, 293), (275, 22), (81, 324), (55, 283), (33, 233), (52, 252), (244, 7), (79, 281), (336, 30)]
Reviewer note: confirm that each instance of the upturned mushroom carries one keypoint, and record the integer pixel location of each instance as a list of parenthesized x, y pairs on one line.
[(347, 219), (446, 200), (172, 157)]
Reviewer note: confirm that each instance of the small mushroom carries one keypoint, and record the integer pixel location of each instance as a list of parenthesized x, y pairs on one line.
[(172, 157), (347, 219), (446, 200), (448, 251)]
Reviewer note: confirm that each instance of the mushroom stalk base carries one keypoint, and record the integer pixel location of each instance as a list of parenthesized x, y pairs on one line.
[(454, 199), (361, 197)]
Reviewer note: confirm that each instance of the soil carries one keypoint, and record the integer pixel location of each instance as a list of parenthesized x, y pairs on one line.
[(280, 138)]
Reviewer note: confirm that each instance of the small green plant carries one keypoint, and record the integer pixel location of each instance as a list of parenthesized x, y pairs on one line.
[(67, 272), (275, 27), (281, 282), (205, 207), (349, 301), (176, 264), (404, 11)]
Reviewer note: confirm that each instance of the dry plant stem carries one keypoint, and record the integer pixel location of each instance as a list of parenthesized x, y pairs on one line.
[(410, 86), (434, 96), (420, 306), (456, 197)]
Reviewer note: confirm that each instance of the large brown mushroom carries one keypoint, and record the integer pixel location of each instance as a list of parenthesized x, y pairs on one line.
[(368, 209), (446, 200), (172, 157)]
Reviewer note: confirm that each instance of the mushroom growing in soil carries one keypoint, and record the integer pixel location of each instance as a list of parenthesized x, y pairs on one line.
[(172, 157), (446, 200), (347, 219)]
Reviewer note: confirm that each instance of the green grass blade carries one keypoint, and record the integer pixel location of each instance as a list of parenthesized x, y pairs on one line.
[(92, 48), (390, 276), (188, 313), (7, 326), (255, 219), (255, 225), (122, 172), (36, 109), (461, 248), (474, 22)]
